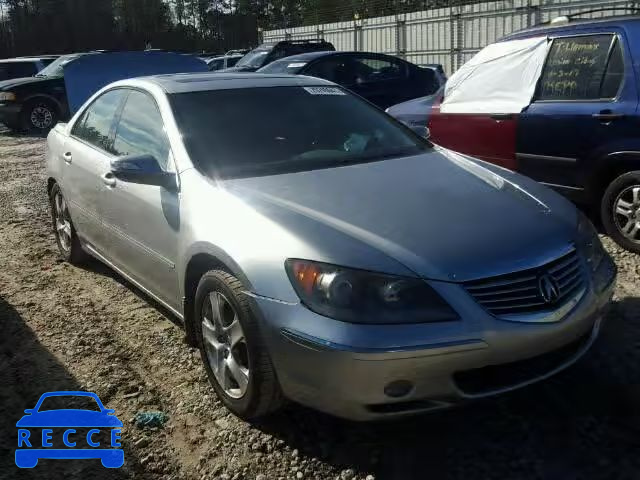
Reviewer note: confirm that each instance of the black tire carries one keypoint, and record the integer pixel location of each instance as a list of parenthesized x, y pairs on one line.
[(70, 251), (620, 189), (263, 395), (39, 116)]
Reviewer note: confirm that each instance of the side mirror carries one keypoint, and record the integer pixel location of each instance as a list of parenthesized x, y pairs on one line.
[(420, 130), (143, 169), (29, 411)]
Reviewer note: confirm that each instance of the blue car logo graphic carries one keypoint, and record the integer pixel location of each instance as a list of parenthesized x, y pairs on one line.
[(36, 430)]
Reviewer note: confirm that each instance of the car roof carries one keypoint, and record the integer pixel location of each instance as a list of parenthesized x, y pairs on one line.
[(576, 24), (309, 56), (200, 82)]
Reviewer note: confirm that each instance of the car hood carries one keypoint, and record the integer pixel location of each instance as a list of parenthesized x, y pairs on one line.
[(17, 82), (440, 214), (69, 418)]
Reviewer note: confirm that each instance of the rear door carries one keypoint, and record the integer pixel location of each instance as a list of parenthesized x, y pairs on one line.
[(584, 108), (87, 155), (142, 221), (380, 79)]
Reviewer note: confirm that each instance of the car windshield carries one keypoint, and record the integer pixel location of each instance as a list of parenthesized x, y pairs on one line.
[(265, 131), (254, 58), (55, 69)]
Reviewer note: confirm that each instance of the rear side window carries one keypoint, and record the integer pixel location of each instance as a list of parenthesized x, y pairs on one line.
[(586, 67), (94, 126), (141, 130), (377, 69), (231, 61)]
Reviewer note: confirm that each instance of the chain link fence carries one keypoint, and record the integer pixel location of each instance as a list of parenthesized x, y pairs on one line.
[(449, 35)]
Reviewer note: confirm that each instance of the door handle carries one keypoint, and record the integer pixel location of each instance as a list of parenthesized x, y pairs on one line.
[(109, 180), (67, 157), (606, 116), (502, 116)]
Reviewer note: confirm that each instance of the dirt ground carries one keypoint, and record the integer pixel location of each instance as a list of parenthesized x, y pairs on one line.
[(68, 328)]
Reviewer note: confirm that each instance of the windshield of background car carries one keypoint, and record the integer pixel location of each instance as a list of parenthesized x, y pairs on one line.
[(289, 67), (254, 58), (55, 69), (266, 131)]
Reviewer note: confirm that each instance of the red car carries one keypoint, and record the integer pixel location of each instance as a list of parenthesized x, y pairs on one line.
[(558, 103)]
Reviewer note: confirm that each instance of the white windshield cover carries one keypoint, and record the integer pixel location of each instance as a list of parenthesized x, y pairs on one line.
[(501, 78)]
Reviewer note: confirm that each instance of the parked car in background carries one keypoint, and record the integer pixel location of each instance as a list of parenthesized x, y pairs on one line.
[(382, 79), (271, 51), (36, 103), (20, 67), (558, 103), (238, 51), (333, 257), (219, 63)]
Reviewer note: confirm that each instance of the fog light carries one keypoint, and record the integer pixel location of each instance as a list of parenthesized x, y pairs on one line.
[(399, 388)]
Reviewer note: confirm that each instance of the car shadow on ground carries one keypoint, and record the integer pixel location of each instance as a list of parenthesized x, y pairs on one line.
[(93, 265), (27, 370), (583, 423)]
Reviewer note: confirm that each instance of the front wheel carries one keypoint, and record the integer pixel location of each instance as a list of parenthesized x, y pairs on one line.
[(620, 211), (63, 229), (39, 116), (231, 346)]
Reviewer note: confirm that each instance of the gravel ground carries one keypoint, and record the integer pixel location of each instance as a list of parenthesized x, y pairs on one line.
[(67, 328)]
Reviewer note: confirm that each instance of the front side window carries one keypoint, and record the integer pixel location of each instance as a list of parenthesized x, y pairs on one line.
[(266, 131), (140, 130), (586, 67), (94, 125)]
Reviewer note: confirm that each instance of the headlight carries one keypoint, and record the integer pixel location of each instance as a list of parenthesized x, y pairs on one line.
[(589, 241), (359, 296), (7, 96)]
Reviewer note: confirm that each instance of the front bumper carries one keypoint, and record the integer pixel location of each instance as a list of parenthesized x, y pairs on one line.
[(357, 371)]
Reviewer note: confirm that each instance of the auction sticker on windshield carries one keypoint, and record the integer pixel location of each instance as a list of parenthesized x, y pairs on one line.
[(72, 426), (324, 91)]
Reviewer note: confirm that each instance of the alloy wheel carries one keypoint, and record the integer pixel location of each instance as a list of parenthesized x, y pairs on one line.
[(62, 221), (626, 210), (41, 117), (225, 344)]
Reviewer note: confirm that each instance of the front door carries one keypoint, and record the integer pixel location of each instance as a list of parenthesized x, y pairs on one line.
[(142, 221), (584, 105), (489, 137), (86, 156)]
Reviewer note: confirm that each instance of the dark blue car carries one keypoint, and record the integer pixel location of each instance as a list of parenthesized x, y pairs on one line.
[(34, 443), (579, 132), (382, 79)]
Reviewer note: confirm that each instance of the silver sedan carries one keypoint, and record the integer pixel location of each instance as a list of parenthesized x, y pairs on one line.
[(319, 251)]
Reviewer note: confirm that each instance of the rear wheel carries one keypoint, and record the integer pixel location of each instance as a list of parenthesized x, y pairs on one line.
[(39, 116), (620, 211), (66, 237), (232, 348)]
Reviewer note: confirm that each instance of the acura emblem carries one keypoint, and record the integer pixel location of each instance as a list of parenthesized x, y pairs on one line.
[(548, 288)]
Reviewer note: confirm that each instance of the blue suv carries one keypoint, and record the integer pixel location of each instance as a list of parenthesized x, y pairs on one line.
[(579, 129)]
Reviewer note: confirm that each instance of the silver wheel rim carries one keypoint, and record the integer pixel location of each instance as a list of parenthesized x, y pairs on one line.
[(62, 221), (626, 213), (41, 117), (225, 345)]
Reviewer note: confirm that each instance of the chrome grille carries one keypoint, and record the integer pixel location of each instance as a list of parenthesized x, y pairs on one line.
[(520, 292)]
